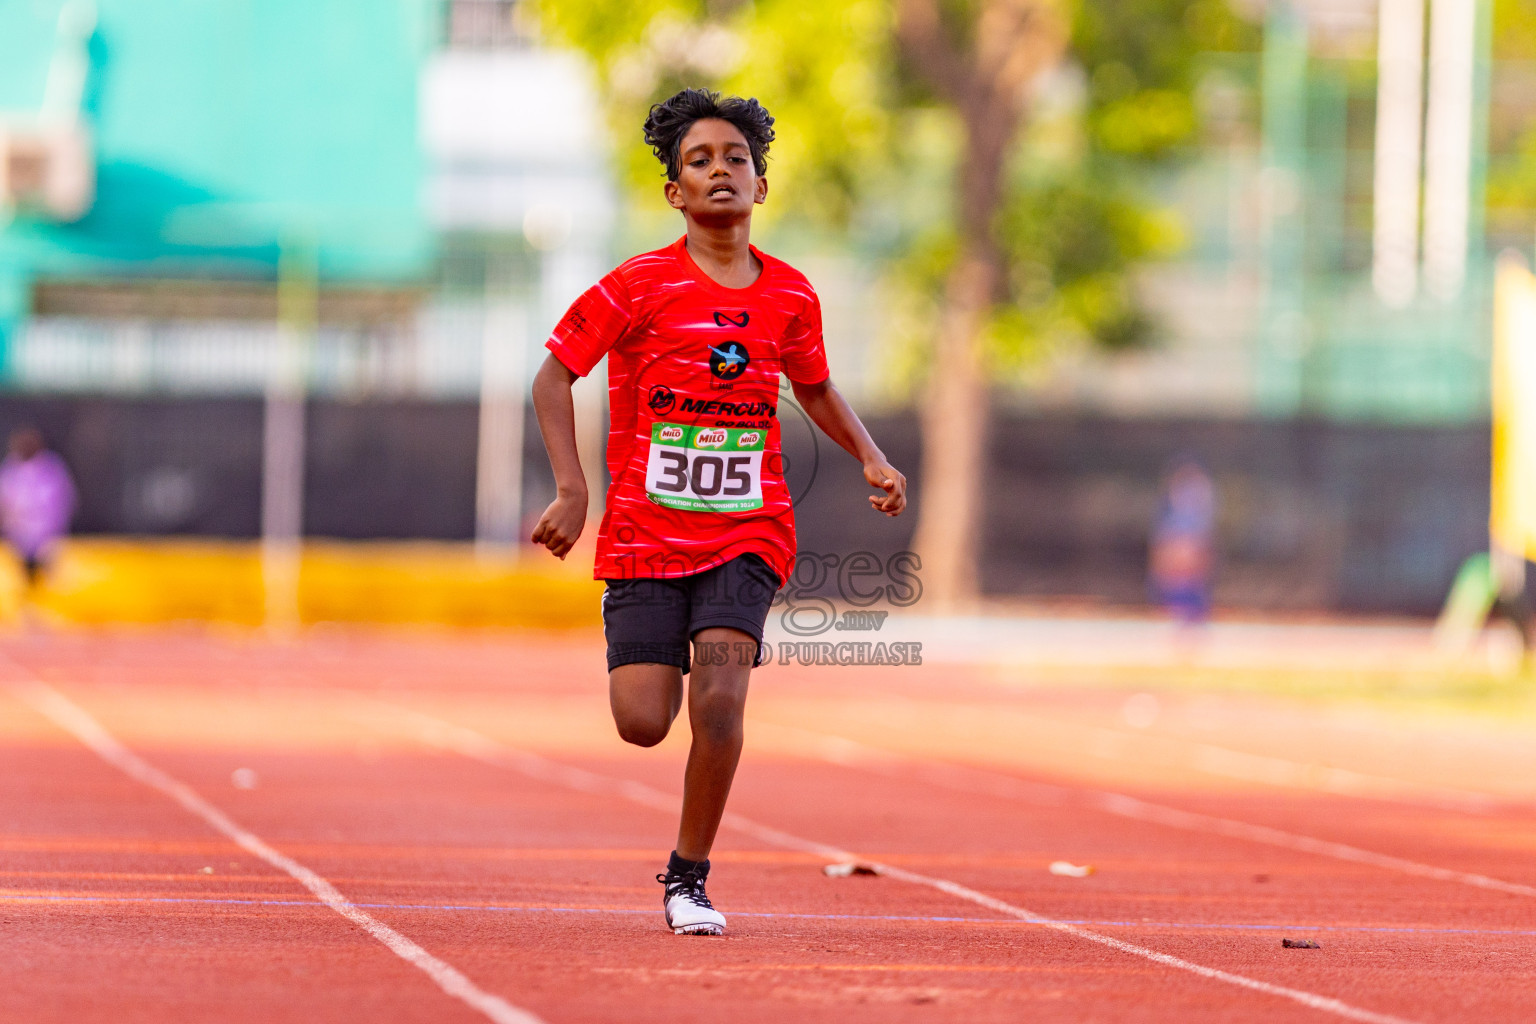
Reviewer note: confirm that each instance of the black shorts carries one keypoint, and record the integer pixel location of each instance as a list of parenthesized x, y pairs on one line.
[(654, 620)]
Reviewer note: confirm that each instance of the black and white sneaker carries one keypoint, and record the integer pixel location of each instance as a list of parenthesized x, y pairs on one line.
[(687, 906)]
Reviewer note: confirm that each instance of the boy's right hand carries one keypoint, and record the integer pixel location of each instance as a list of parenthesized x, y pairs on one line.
[(562, 523)]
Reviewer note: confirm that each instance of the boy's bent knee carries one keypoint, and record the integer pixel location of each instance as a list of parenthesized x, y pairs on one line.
[(642, 731), (645, 700)]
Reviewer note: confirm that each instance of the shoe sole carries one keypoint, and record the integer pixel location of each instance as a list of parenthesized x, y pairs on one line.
[(699, 929)]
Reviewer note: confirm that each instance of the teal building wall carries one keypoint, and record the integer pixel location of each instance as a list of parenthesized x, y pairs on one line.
[(226, 130)]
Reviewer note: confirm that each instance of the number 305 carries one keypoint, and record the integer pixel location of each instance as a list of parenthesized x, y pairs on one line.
[(707, 474)]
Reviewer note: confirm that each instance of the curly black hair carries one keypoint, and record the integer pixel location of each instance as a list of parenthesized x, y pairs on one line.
[(668, 122)]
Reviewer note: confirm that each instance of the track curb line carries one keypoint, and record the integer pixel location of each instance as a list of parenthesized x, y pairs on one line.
[(73, 719), (477, 746)]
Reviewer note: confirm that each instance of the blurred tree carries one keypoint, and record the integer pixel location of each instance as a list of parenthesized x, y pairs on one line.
[(980, 58), (1033, 236), (823, 69), (1512, 164)]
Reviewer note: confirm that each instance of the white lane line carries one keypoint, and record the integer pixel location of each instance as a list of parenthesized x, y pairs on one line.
[(74, 720), (1278, 771), (1120, 745), (486, 750), (1327, 1004), (1130, 807), (851, 753)]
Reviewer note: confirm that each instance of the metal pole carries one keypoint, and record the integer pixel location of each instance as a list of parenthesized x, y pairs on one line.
[(1284, 333), (499, 473), (282, 490), (564, 271), (1448, 145), (1399, 136)]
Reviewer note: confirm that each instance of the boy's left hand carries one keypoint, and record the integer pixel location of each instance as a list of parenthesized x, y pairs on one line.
[(885, 476)]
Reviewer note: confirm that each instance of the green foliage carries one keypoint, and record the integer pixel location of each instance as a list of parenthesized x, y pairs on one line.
[(1511, 192), (1139, 58), (1514, 30), (1512, 186), (1071, 244), (865, 151), (820, 68)]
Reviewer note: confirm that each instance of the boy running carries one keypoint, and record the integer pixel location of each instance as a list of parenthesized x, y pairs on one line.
[(699, 532)]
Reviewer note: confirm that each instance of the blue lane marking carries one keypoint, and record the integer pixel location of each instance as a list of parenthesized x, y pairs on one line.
[(1195, 925)]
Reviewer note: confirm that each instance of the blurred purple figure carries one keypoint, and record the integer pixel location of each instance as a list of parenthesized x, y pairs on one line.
[(1183, 544), (37, 499)]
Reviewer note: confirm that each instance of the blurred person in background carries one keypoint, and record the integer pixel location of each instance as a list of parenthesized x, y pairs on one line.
[(37, 499), (1511, 599), (1183, 544)]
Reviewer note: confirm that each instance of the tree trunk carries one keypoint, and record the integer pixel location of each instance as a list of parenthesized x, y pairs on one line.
[(1011, 41), (955, 418), (954, 424)]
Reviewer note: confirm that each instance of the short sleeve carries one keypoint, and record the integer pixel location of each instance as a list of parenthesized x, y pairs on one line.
[(802, 351), (593, 325)]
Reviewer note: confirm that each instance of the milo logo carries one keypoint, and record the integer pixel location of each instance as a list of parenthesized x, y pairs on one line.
[(671, 433), (749, 440), (709, 439)]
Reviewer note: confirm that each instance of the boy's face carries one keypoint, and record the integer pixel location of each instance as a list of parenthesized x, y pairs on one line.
[(716, 182)]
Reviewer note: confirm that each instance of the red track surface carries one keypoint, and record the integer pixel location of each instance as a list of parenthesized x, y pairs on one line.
[(475, 841)]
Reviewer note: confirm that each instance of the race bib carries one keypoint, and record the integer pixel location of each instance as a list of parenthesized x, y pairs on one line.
[(705, 469)]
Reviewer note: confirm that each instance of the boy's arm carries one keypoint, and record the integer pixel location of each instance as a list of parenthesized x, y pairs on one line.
[(830, 411), (562, 522)]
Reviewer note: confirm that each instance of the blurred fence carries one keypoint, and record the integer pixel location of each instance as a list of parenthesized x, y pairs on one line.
[(439, 355), (1312, 514)]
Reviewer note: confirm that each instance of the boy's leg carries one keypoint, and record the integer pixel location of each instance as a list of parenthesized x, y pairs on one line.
[(645, 698), (728, 605), (717, 700), (646, 624)]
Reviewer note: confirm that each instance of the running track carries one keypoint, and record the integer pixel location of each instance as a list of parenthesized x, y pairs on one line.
[(446, 829)]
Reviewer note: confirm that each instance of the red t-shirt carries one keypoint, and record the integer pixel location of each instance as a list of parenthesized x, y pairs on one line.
[(693, 396)]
